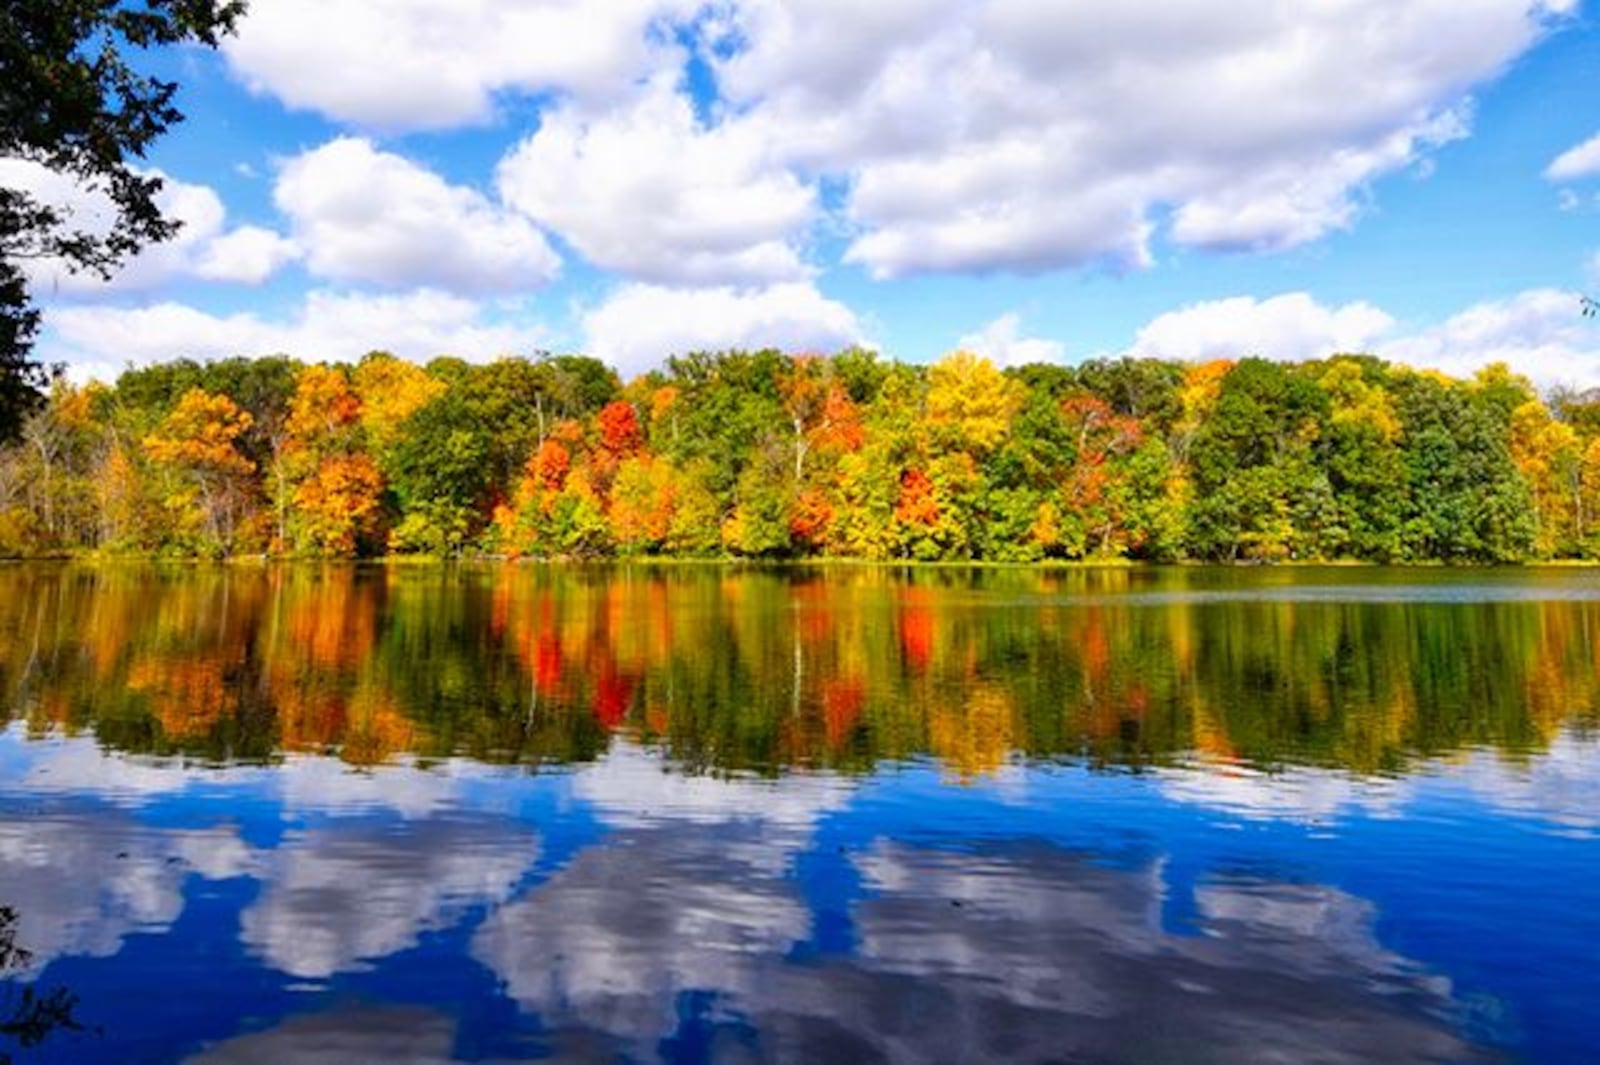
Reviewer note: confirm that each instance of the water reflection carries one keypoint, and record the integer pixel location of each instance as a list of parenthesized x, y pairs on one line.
[(338, 896), (844, 669), (693, 814), (629, 910), (397, 1035), (1048, 955), (83, 882), (1033, 956), (29, 1014)]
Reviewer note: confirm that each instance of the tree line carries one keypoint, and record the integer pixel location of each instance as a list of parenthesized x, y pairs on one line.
[(762, 455)]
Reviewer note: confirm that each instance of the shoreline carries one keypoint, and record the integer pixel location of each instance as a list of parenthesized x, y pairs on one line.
[(726, 562)]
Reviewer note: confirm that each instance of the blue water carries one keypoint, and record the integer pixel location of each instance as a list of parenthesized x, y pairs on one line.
[(621, 910), (1185, 816)]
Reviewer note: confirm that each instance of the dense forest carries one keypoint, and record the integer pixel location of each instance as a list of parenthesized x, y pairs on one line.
[(765, 455)]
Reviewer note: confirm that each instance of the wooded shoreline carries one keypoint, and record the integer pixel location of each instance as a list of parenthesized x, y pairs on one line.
[(761, 456)]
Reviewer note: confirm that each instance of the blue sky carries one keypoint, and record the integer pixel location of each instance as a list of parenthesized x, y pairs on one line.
[(1035, 180)]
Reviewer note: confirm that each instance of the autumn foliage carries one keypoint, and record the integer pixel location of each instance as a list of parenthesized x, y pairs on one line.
[(763, 455)]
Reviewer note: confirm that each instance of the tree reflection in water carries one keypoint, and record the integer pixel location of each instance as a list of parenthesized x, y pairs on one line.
[(28, 1014), (740, 670), (810, 811)]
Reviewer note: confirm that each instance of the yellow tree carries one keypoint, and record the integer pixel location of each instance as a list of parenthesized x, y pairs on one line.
[(971, 403), (1549, 456), (391, 390), (333, 485), (1588, 502), (1202, 384), (642, 503), (117, 494), (337, 504), (208, 478)]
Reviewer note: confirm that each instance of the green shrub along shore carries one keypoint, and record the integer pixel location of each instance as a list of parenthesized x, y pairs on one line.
[(766, 456)]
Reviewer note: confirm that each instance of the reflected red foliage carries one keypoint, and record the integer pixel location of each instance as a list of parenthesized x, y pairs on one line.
[(613, 695)]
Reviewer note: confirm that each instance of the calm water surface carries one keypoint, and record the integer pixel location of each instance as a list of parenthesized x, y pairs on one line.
[(347, 814)]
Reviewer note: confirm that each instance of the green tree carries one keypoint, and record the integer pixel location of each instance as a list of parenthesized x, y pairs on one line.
[(442, 475), (1467, 500), (1251, 463), (1360, 448), (73, 102)]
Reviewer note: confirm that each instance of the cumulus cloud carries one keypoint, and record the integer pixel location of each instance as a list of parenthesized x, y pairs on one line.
[(957, 952), (1539, 333), (622, 930), (1002, 342), (1559, 789), (690, 892), (640, 325), (99, 341), (310, 784), (997, 135), (203, 247), (433, 64), (962, 135), (632, 787), (79, 766), (1291, 326), (1305, 794), (248, 255), (338, 897), (369, 215), (1576, 163), (653, 193), (82, 883)]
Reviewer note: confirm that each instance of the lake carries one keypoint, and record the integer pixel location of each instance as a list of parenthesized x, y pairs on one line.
[(688, 813)]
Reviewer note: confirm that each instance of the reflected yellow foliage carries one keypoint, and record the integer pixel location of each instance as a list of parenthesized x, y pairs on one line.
[(186, 695), (974, 736), (758, 670)]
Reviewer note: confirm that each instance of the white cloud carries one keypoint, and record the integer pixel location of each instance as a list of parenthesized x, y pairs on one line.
[(1299, 793), (433, 64), (1540, 333), (1289, 204), (651, 192), (82, 208), (99, 341), (633, 787), (80, 766), (1560, 788), (1292, 326), (994, 938), (640, 325), (1001, 342), (337, 897), (81, 884), (1014, 135), (203, 246), (963, 135), (323, 785), (1576, 163), (249, 255), (367, 215), (1000, 135), (692, 891)]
